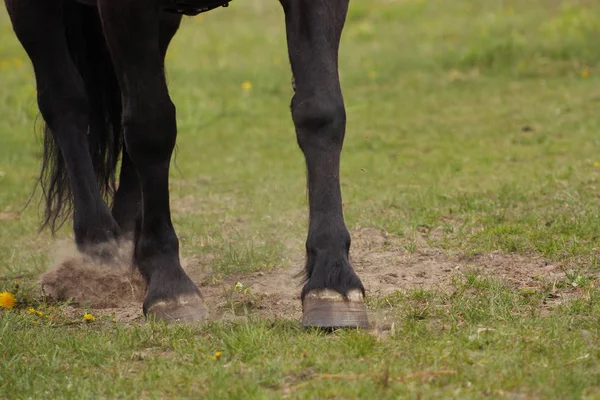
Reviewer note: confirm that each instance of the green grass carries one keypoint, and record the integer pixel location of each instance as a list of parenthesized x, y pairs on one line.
[(473, 124), (482, 339)]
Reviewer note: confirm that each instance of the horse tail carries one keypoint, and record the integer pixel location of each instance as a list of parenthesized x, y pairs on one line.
[(91, 57)]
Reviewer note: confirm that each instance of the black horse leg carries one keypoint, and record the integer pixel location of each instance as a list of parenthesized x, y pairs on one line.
[(131, 28), (128, 197), (64, 105), (333, 293)]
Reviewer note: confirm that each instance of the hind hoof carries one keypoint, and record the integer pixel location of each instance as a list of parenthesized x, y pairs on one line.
[(184, 309), (328, 309)]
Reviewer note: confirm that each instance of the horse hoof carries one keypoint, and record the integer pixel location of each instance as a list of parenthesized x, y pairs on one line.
[(328, 309), (184, 309)]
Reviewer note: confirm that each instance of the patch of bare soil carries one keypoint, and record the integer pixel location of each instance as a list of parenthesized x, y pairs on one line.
[(272, 294), (383, 266), (379, 259), (103, 282)]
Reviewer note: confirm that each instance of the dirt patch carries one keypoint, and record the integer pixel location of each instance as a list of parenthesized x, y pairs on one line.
[(272, 294), (96, 282), (384, 267), (379, 258)]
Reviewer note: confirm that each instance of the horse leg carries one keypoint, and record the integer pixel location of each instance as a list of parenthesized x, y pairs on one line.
[(63, 103), (131, 29), (333, 293), (128, 196)]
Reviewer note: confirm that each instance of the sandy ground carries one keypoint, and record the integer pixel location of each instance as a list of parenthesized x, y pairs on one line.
[(379, 259)]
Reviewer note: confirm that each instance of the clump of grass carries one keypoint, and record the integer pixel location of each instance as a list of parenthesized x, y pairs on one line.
[(241, 301)]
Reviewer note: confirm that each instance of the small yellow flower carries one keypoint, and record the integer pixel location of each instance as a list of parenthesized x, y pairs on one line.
[(246, 85), (87, 317), (597, 164), (585, 73), (39, 313), (7, 300), (31, 310), (216, 356)]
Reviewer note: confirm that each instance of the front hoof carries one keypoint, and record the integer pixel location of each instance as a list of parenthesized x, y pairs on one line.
[(327, 308), (185, 308)]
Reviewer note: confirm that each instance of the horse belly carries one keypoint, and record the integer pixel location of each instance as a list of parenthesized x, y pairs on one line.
[(192, 7)]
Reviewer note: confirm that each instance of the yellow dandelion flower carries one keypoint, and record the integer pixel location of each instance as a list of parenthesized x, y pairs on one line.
[(597, 164), (7, 300), (31, 310), (39, 313), (216, 356), (246, 85), (87, 317), (585, 73)]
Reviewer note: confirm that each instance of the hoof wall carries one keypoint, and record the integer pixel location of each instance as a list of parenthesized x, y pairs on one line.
[(184, 309), (328, 309)]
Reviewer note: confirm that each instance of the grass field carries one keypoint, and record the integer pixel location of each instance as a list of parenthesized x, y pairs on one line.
[(473, 129)]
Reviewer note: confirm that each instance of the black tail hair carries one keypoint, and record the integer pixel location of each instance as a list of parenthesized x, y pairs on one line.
[(91, 57)]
